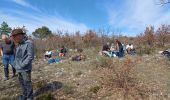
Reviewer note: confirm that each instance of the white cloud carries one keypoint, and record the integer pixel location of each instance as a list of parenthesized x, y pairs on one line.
[(33, 21), (25, 4), (135, 15)]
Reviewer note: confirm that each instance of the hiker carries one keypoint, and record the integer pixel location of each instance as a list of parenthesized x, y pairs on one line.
[(48, 54), (112, 47), (130, 49), (7, 52), (23, 62), (166, 53), (119, 45), (63, 51), (78, 57), (124, 47), (106, 50), (113, 50)]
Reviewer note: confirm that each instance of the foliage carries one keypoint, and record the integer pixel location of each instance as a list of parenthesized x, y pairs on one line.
[(162, 34), (42, 32), (5, 29)]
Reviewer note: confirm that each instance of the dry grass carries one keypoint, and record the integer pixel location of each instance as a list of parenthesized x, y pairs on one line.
[(97, 78)]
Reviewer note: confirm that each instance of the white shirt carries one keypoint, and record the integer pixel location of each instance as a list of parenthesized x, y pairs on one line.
[(129, 46), (48, 52)]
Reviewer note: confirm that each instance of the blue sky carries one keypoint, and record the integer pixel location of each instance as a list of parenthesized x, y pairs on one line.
[(127, 17)]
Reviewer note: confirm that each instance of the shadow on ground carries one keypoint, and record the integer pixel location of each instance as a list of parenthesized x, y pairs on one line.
[(50, 87)]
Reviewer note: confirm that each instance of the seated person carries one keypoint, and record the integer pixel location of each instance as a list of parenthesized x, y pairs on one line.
[(106, 50), (112, 47), (78, 57), (54, 60), (63, 51), (113, 50), (120, 51), (48, 54), (129, 48)]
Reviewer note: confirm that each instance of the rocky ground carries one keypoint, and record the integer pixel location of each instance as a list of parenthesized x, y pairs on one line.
[(96, 78)]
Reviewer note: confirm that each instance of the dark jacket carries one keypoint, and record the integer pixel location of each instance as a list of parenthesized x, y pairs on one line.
[(24, 56), (106, 48)]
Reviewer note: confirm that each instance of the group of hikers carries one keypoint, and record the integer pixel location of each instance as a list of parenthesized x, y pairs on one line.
[(56, 56), (117, 49), (50, 55), (18, 51)]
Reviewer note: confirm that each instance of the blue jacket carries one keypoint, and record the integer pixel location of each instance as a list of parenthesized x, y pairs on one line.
[(24, 56)]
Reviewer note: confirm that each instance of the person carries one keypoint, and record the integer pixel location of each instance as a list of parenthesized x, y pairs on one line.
[(23, 62), (48, 54), (106, 47), (7, 52), (112, 47), (129, 48), (119, 48), (106, 50), (63, 51), (78, 57)]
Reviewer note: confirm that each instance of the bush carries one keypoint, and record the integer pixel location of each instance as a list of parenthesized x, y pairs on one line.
[(104, 62), (145, 50)]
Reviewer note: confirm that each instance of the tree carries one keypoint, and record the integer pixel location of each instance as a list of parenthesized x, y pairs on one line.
[(5, 29), (149, 35), (162, 34), (42, 32)]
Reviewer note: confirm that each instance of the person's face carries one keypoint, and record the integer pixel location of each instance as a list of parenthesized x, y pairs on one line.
[(4, 37), (17, 38)]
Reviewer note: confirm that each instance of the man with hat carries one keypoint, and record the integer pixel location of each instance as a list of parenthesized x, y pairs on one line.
[(23, 62)]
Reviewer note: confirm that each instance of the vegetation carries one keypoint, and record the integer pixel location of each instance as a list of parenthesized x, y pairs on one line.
[(5, 29), (144, 76), (42, 32)]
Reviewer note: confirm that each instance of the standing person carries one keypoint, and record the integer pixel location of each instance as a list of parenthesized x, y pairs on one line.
[(119, 48), (23, 62), (7, 52)]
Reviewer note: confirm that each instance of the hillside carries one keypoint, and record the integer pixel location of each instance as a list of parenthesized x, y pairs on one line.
[(97, 78)]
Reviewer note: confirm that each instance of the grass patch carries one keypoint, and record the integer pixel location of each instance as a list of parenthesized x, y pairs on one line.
[(95, 89), (45, 96), (68, 89)]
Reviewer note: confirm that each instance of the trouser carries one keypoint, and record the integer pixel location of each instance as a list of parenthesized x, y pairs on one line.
[(26, 85), (107, 53), (8, 59)]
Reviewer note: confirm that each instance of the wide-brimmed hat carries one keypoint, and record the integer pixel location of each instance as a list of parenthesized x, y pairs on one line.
[(17, 31)]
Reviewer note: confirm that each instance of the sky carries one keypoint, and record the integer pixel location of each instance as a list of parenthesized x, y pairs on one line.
[(125, 17)]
